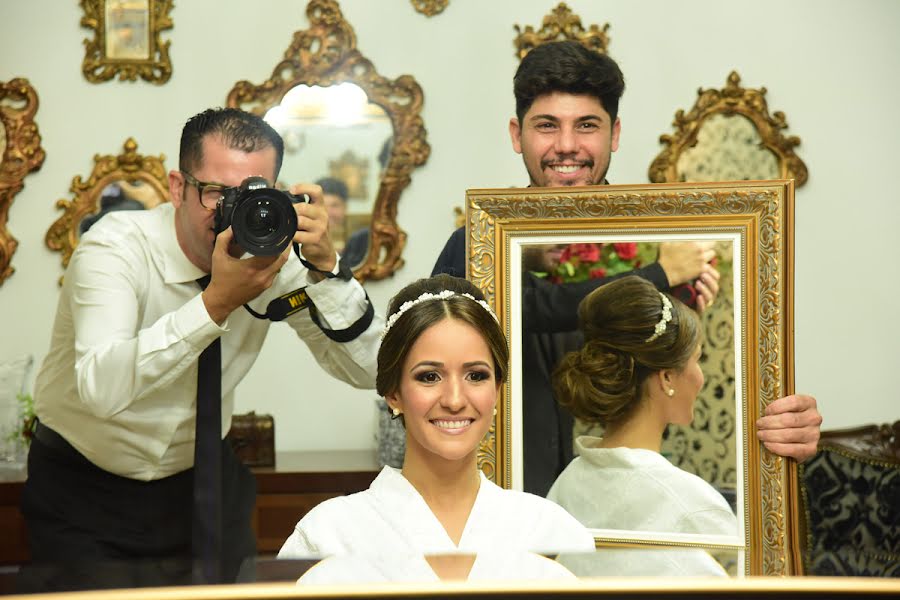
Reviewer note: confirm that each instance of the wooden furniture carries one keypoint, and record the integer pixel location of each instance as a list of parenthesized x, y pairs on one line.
[(285, 492)]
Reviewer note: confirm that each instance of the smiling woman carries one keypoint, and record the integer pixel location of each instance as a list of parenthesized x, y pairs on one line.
[(442, 361)]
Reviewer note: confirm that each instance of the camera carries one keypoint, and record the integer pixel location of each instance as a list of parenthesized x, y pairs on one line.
[(262, 218)]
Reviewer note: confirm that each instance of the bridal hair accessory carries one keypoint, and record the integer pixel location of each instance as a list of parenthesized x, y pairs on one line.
[(666, 317), (442, 295)]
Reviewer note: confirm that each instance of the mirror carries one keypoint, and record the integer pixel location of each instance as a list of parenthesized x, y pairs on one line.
[(20, 155), (751, 225), (329, 99), (127, 40), (729, 135), (335, 137), (129, 181)]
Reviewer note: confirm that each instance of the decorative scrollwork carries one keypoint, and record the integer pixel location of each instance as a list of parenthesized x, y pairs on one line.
[(429, 8), (732, 100), (146, 56), (129, 167), (21, 154), (561, 24), (326, 54)]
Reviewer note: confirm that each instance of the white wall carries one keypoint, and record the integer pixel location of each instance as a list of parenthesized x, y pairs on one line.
[(830, 65)]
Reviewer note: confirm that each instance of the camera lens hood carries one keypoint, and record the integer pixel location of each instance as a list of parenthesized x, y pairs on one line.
[(264, 221)]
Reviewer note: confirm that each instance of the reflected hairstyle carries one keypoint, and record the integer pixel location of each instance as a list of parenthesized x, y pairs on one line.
[(238, 129), (334, 187), (603, 382), (571, 68), (416, 320)]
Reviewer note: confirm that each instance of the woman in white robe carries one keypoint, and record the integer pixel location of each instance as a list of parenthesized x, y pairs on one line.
[(440, 366), (637, 372)]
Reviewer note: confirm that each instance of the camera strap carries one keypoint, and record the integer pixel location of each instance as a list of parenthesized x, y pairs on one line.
[(284, 306)]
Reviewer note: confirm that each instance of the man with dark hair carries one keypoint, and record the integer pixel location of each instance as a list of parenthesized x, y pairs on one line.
[(111, 464), (566, 128)]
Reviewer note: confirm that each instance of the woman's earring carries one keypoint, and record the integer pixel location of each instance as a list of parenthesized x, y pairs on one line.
[(495, 411), (670, 393), (396, 412)]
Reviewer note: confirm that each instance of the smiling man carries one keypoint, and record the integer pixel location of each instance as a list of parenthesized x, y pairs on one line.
[(566, 128)]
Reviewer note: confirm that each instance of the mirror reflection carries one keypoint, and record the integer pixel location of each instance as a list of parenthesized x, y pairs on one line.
[(335, 137), (728, 148), (121, 195), (127, 29), (638, 406)]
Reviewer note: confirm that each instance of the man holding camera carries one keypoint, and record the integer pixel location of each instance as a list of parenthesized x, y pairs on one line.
[(127, 382)]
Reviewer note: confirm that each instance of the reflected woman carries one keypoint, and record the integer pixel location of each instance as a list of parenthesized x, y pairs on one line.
[(442, 360), (637, 372)]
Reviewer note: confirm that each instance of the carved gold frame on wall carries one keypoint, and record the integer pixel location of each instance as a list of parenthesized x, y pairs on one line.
[(21, 155), (561, 24), (98, 67), (326, 54), (429, 8), (128, 166), (760, 215), (732, 99)]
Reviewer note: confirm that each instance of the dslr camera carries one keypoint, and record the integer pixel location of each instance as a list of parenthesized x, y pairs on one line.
[(262, 218)]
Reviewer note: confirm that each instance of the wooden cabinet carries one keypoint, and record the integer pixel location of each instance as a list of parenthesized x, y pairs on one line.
[(285, 492)]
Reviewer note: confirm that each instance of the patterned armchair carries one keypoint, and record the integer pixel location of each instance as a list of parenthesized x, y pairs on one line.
[(850, 494)]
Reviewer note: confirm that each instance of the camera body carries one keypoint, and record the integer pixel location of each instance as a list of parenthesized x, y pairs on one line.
[(262, 218)]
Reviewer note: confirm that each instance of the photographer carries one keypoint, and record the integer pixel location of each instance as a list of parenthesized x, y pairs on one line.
[(112, 465)]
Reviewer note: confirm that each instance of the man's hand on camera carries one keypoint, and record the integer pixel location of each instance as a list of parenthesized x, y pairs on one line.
[(236, 281), (684, 261), (312, 231)]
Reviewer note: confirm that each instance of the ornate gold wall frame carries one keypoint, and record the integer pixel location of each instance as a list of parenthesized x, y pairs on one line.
[(758, 219), (729, 101), (144, 176), (21, 154), (325, 55), (126, 40), (561, 24), (429, 8)]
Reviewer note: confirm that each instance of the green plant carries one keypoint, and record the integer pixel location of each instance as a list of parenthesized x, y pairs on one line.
[(26, 419)]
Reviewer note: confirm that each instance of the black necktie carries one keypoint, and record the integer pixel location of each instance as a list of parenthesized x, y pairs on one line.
[(206, 538)]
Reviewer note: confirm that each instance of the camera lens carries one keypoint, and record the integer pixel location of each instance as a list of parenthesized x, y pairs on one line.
[(264, 222)]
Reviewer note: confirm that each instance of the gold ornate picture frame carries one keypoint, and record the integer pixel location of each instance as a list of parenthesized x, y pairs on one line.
[(712, 105), (561, 24), (429, 8), (21, 154), (326, 55), (758, 219), (127, 40), (142, 182)]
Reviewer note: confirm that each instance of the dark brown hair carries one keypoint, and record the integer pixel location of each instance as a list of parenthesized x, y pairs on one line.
[(238, 129), (400, 338), (603, 382)]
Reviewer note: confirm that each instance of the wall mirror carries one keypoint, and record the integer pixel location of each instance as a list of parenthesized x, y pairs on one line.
[(341, 119), (751, 225), (20, 154), (129, 181), (728, 135), (126, 40)]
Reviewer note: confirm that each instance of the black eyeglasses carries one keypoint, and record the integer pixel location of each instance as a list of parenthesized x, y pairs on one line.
[(210, 193)]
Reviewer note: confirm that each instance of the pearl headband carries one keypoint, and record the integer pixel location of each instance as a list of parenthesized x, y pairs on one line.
[(666, 318), (427, 296)]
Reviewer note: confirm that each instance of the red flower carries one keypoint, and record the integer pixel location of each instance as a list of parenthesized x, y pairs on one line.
[(598, 273), (626, 250), (586, 253)]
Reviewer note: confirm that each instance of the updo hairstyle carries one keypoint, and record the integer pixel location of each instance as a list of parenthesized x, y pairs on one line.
[(413, 322), (603, 382)]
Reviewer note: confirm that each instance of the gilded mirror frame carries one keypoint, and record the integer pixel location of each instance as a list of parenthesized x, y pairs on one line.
[(561, 24), (130, 166), (326, 54), (22, 154), (731, 100), (98, 66), (761, 216)]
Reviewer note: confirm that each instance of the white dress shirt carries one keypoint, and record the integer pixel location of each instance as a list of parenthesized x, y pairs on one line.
[(120, 379), (392, 519)]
